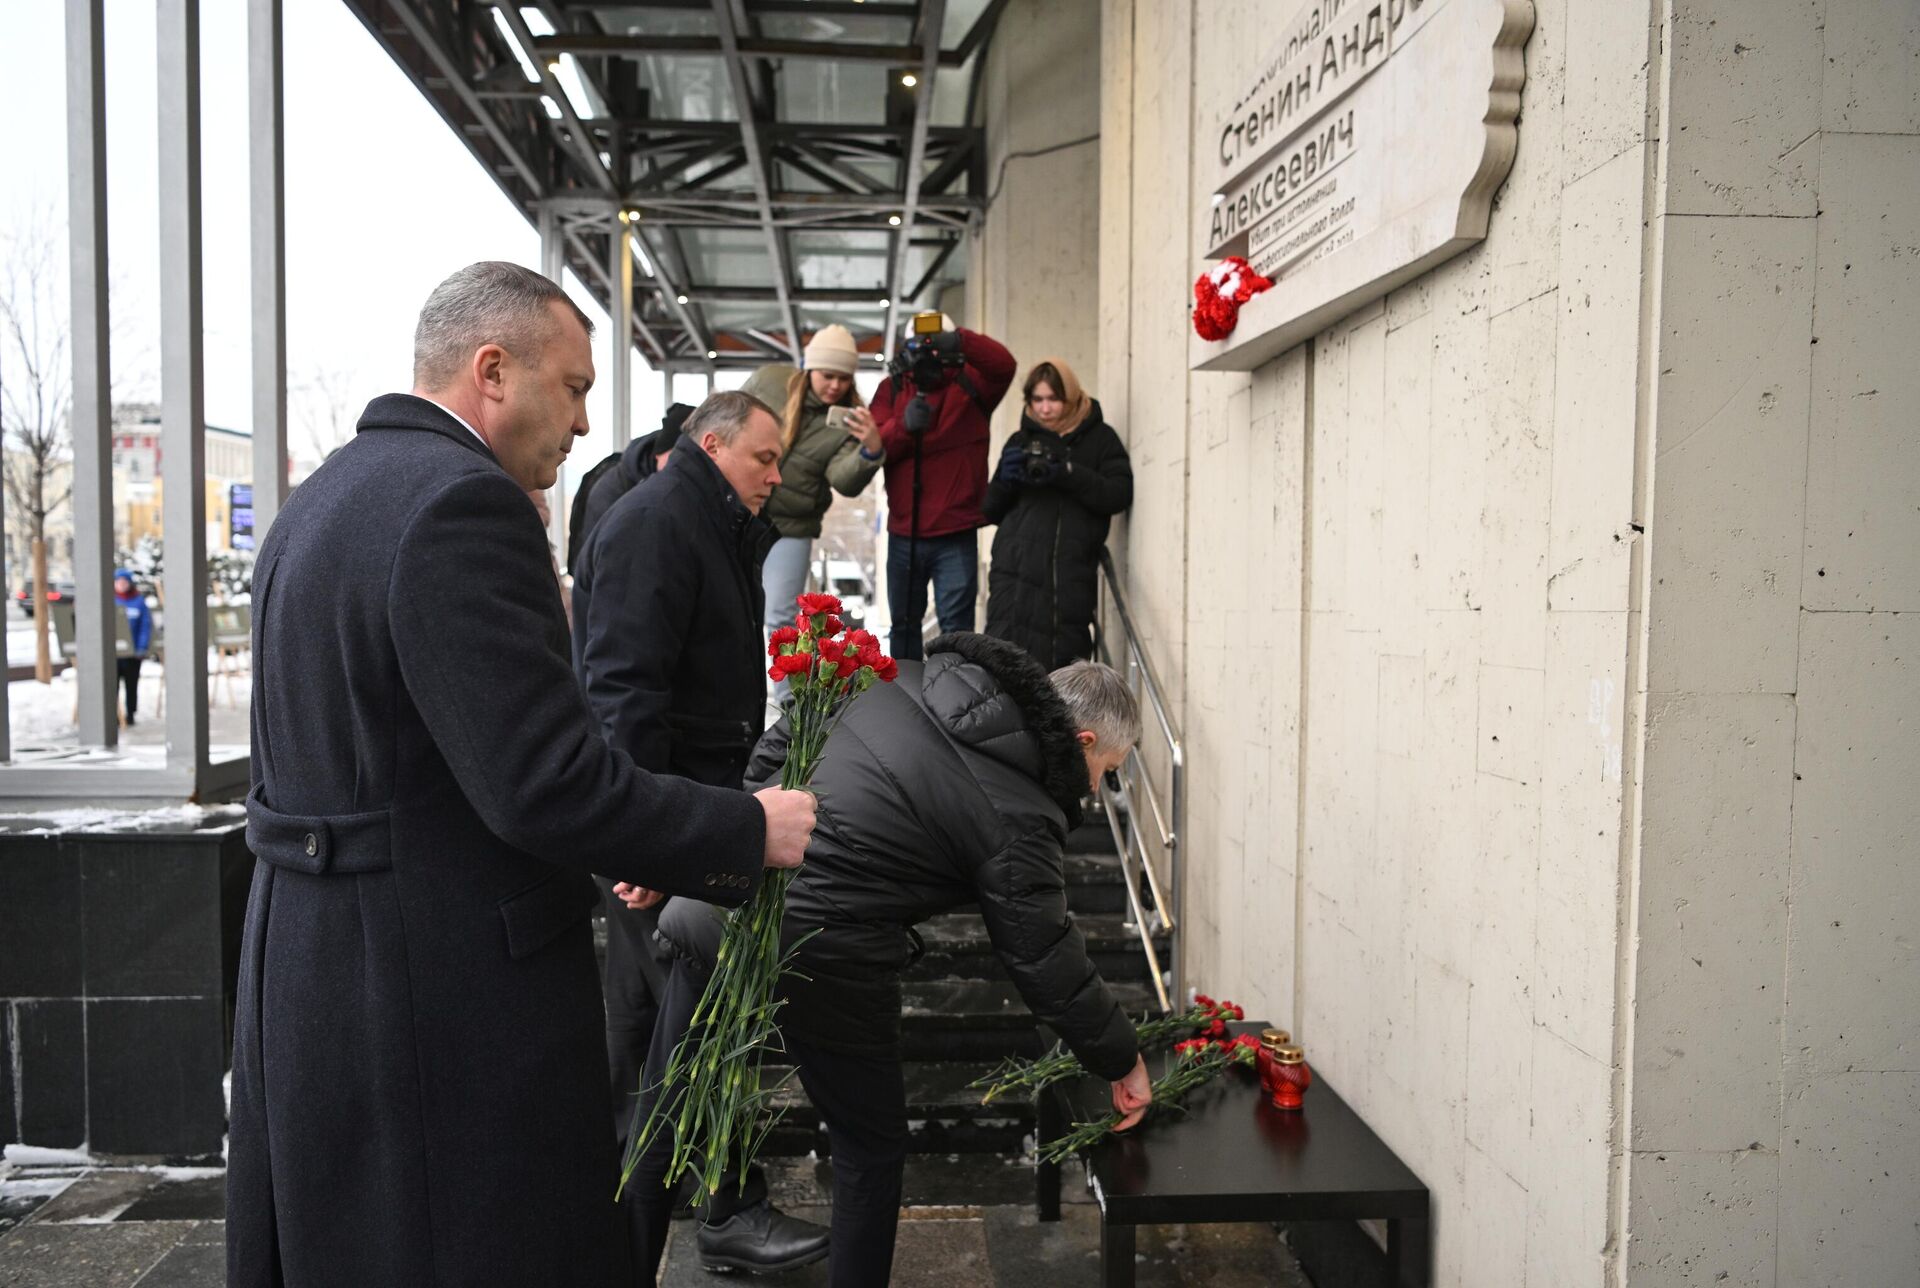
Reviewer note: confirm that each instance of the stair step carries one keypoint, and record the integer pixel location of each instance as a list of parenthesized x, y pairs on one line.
[(957, 947), (1091, 837), (984, 1019), (943, 1115), (957, 1180)]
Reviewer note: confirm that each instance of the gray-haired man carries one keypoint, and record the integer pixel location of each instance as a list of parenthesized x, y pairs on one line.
[(667, 606), (419, 1086)]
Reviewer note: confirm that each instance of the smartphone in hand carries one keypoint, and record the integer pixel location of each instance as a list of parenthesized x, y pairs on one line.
[(837, 417)]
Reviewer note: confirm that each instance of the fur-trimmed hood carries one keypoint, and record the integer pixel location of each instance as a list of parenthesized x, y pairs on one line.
[(994, 697)]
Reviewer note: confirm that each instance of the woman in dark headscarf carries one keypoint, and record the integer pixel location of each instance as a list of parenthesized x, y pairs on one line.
[(1062, 477)]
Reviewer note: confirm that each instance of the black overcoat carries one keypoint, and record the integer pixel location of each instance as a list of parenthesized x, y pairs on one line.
[(1043, 576), (420, 1090), (667, 606)]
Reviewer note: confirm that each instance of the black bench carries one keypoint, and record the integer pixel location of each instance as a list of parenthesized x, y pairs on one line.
[(1234, 1157)]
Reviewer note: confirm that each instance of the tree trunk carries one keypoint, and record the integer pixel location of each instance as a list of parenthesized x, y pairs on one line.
[(42, 655)]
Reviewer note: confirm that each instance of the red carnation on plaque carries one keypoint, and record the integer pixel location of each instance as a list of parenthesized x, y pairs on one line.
[(1218, 294)]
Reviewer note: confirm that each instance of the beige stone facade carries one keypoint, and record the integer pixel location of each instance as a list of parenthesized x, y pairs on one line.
[(1541, 633)]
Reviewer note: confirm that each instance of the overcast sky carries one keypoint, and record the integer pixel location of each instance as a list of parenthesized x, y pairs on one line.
[(382, 203)]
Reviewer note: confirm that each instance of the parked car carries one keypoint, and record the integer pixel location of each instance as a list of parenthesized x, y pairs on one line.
[(60, 592)]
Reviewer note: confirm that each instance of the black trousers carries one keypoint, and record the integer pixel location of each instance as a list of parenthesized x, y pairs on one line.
[(129, 669), (863, 1099), (635, 980), (864, 1102)]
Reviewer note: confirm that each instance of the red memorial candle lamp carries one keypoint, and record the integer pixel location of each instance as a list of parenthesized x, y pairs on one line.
[(1283, 1069)]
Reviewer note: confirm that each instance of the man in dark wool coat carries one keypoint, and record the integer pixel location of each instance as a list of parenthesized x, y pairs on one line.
[(420, 1090)]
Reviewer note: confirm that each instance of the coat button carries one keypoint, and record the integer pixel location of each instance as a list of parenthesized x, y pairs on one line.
[(711, 879), (313, 845)]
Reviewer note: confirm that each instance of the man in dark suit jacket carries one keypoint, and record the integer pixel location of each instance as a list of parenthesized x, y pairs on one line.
[(419, 1084), (667, 644)]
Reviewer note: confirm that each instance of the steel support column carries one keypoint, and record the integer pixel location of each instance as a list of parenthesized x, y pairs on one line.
[(183, 431), (757, 169), (553, 246), (267, 188), (92, 407), (553, 263), (620, 275), (932, 14)]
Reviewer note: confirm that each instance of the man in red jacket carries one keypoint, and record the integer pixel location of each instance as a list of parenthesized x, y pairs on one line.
[(932, 414)]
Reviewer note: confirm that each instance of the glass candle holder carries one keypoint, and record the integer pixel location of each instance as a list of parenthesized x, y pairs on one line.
[(1271, 1040), (1287, 1077)]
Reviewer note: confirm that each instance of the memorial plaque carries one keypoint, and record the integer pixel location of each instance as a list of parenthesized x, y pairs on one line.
[(1366, 151)]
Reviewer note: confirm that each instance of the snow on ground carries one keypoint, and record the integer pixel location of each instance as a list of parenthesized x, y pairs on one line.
[(41, 717), (120, 820), (42, 714), (36, 1156)]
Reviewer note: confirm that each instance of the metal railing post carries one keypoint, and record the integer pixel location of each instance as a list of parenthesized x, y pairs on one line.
[(1137, 786)]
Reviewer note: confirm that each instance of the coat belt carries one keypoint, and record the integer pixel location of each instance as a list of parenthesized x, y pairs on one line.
[(319, 844)]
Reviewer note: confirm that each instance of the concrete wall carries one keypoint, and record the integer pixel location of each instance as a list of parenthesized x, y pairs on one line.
[(1393, 572), (1774, 1106), (1537, 637), (1031, 283)]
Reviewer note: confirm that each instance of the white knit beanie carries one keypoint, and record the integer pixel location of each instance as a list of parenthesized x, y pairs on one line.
[(832, 349)]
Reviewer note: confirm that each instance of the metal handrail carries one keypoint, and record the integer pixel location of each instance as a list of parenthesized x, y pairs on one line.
[(1136, 783)]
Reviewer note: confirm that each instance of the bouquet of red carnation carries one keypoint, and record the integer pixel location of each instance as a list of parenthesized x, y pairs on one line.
[(711, 1096), (1218, 294), (1197, 1061)]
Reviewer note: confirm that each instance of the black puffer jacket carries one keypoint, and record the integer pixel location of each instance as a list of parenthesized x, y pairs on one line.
[(956, 784), (1042, 581)]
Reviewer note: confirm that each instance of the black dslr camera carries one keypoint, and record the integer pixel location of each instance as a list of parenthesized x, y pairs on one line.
[(930, 358)]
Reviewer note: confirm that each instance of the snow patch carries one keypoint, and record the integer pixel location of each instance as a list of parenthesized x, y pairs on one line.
[(38, 1156)]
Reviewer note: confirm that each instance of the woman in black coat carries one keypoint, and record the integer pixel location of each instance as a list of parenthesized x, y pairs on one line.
[(1062, 477)]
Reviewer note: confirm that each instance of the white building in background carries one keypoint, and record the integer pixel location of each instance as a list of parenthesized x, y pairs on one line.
[(138, 470)]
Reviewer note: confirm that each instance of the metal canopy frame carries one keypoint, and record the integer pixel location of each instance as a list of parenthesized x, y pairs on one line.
[(589, 172)]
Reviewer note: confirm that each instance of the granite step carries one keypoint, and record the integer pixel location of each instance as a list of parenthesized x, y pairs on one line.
[(957, 948), (984, 1019)]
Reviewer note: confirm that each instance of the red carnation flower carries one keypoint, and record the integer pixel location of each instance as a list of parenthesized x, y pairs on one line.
[(1218, 294), (785, 635), (810, 605)]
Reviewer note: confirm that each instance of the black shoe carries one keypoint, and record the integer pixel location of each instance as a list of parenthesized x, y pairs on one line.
[(761, 1239)]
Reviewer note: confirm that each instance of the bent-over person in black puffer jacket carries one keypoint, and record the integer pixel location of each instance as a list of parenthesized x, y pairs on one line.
[(955, 785)]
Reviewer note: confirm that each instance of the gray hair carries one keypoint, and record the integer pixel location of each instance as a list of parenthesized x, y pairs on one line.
[(725, 415), (1099, 701), (491, 302)]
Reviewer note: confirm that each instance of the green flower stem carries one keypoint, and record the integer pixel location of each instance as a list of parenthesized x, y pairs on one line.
[(1188, 1072), (1018, 1073), (712, 1096)]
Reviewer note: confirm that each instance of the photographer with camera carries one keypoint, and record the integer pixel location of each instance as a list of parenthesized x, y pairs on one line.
[(1062, 477), (932, 413)]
